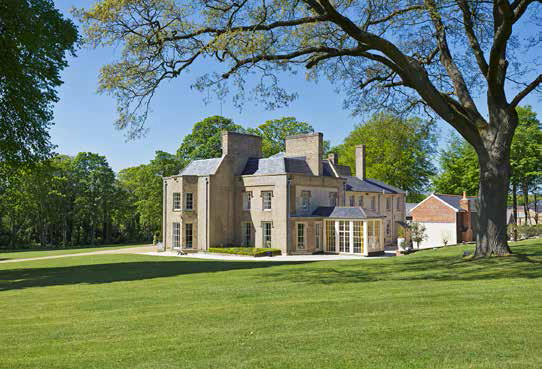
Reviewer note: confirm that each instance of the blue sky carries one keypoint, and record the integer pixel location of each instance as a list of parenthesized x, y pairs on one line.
[(84, 119)]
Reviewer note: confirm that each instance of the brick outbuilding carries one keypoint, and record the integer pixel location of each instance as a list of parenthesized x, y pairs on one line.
[(450, 218)]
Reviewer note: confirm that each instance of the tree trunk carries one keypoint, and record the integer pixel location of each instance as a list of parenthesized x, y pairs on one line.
[(525, 190), (515, 207), (535, 207), (493, 192)]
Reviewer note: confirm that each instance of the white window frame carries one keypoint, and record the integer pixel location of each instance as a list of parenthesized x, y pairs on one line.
[(300, 233), (188, 241), (188, 195), (267, 234), (267, 200), (247, 199), (176, 234), (176, 201), (246, 230)]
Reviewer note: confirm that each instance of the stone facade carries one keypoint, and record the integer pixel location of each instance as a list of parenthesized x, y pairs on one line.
[(244, 199)]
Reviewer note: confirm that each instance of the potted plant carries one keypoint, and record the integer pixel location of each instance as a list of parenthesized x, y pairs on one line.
[(418, 233)]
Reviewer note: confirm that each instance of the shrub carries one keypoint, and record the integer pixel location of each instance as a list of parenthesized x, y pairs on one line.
[(250, 251)]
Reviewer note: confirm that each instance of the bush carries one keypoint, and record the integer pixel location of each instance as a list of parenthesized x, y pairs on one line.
[(525, 230), (249, 251)]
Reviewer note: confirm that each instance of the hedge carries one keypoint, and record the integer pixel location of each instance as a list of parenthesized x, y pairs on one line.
[(250, 251)]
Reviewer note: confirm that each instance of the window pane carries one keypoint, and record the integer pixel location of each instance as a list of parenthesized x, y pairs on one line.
[(266, 199), (176, 201), (358, 237), (317, 235), (188, 235), (344, 236), (189, 201), (176, 234), (300, 236), (352, 201), (330, 236), (266, 234)]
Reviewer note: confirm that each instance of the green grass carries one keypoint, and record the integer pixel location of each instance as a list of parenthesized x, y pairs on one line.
[(24, 254), (245, 250), (429, 309)]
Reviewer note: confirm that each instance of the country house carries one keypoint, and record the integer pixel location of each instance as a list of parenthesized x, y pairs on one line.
[(296, 201)]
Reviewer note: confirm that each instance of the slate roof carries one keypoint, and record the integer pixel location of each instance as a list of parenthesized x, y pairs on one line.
[(343, 212), (278, 164), (370, 185), (453, 200), (343, 170), (202, 167)]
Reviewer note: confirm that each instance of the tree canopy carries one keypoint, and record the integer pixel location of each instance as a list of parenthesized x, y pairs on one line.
[(432, 55), (275, 131), (34, 39), (398, 151)]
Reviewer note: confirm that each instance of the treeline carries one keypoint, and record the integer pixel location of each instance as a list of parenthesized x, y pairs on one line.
[(68, 201)]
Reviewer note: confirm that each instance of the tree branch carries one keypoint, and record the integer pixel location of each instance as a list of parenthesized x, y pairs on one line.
[(528, 89), (473, 40)]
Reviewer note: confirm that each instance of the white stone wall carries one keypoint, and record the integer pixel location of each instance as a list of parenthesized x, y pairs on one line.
[(435, 234)]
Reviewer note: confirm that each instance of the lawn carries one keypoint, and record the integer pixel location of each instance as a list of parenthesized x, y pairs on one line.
[(430, 309), (36, 253)]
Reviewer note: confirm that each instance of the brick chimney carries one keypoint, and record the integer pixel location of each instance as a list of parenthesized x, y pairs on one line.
[(464, 202), (360, 161), (308, 145), (333, 157)]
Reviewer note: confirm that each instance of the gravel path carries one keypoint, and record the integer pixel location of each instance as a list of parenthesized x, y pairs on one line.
[(125, 250), (202, 255)]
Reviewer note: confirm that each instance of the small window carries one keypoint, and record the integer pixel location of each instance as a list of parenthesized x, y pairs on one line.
[(360, 201), (188, 235), (388, 203), (176, 201), (373, 203), (247, 197), (266, 199), (266, 228), (305, 200), (352, 201), (333, 199), (300, 236), (176, 235), (398, 203), (388, 228), (247, 234), (188, 201)]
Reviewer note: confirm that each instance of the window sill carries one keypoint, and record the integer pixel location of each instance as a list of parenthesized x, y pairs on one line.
[(267, 209)]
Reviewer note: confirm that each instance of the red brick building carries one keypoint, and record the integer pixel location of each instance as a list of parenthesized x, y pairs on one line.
[(448, 219)]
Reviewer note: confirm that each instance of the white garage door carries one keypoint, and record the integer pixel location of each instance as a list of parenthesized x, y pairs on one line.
[(436, 233)]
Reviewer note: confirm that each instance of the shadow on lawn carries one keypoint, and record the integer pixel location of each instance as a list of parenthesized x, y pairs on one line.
[(419, 267), (116, 272)]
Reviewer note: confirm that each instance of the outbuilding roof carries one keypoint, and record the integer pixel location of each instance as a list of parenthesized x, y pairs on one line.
[(453, 200)]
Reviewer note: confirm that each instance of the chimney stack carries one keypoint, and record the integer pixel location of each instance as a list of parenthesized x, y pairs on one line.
[(464, 202), (333, 157), (360, 161), (308, 145)]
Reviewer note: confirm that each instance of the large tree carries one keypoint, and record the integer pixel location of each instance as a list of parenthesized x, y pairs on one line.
[(398, 53), (400, 157), (34, 39), (275, 131), (204, 141)]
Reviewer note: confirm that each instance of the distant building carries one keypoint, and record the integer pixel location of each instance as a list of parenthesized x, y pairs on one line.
[(450, 218), (295, 201)]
